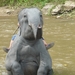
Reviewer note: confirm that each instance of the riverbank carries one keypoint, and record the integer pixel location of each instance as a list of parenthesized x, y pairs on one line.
[(9, 11), (58, 10)]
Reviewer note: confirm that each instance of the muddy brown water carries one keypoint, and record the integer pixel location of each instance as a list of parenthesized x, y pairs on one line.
[(61, 31)]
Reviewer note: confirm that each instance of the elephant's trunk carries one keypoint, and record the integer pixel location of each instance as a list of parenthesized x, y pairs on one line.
[(37, 31), (35, 23)]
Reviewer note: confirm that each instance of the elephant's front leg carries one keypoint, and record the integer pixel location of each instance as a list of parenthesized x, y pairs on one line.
[(50, 72), (15, 69), (43, 69)]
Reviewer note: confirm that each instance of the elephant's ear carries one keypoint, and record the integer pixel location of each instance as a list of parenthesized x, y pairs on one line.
[(20, 27), (22, 19)]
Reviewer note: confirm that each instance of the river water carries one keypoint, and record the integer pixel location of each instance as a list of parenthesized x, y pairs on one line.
[(61, 31)]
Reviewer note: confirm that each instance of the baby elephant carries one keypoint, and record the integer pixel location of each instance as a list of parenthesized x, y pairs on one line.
[(28, 55)]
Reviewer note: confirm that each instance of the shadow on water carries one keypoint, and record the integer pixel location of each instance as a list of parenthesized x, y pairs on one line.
[(60, 31)]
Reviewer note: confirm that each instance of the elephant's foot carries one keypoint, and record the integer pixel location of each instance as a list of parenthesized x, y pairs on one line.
[(50, 45), (5, 49)]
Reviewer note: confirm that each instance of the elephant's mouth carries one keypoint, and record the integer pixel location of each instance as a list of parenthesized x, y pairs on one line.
[(39, 33)]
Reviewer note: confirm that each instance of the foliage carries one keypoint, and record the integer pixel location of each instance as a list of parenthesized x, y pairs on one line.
[(39, 3)]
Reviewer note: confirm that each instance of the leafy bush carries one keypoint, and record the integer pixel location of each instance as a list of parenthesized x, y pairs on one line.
[(39, 3)]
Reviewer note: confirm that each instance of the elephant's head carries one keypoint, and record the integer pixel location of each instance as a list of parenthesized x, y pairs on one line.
[(31, 23)]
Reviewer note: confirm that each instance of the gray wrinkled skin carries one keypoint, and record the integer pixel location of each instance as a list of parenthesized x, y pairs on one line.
[(28, 55)]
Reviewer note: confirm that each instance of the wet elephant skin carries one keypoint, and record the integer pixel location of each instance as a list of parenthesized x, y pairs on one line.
[(28, 55)]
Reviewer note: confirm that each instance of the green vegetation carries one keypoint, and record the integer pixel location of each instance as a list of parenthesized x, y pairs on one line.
[(28, 3)]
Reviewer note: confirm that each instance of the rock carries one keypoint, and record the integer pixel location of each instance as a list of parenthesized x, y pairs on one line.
[(58, 16), (57, 10), (49, 8), (8, 11), (69, 5), (46, 9)]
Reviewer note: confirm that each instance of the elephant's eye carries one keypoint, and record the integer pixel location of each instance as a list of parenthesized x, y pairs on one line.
[(40, 15), (25, 15)]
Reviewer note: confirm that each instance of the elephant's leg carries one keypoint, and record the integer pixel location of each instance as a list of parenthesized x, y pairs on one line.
[(42, 70), (50, 72), (16, 69)]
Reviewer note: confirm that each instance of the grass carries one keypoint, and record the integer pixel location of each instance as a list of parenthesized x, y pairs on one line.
[(28, 3)]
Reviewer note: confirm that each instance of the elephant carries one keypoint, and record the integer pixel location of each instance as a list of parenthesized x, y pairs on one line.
[(28, 55)]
